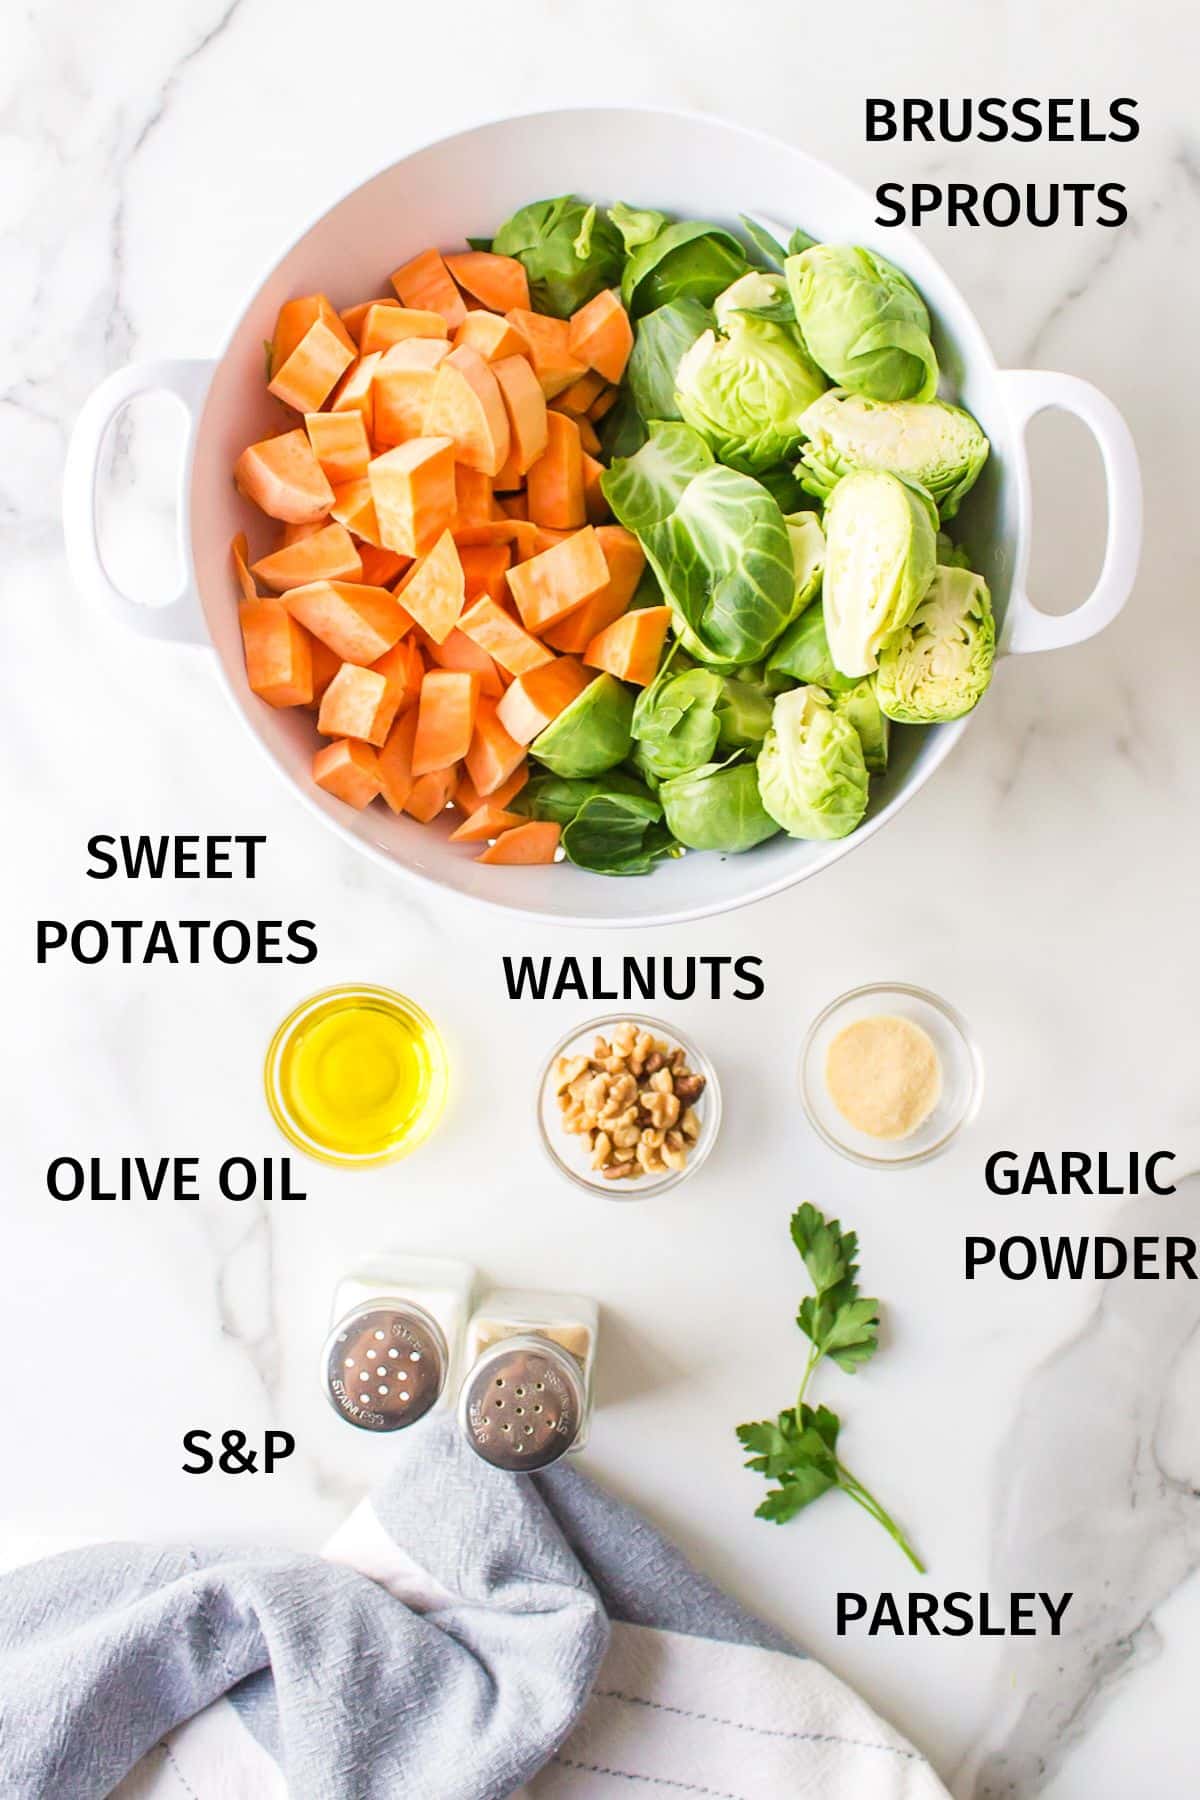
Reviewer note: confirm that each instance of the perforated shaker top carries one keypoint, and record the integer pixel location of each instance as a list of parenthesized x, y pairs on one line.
[(522, 1404), (385, 1364)]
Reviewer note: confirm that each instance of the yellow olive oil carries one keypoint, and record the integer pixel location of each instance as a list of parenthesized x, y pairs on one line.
[(356, 1075)]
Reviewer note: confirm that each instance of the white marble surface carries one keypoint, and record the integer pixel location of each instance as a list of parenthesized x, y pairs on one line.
[(154, 159)]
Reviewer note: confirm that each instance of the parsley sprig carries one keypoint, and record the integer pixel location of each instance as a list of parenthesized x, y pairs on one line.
[(798, 1450)]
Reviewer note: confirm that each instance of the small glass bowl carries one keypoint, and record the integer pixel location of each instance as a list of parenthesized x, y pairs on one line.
[(568, 1151), (429, 1051), (962, 1075)]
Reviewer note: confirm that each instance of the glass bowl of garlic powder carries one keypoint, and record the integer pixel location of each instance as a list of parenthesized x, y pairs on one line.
[(889, 1075)]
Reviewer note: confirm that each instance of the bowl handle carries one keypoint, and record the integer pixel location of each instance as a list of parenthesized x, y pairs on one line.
[(1029, 392), (180, 619)]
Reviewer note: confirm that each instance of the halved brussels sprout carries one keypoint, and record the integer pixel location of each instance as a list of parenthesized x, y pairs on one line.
[(861, 706), (717, 807), (590, 735), (939, 665), (745, 385), (811, 773), (880, 554), (863, 321), (675, 722), (743, 713), (937, 445)]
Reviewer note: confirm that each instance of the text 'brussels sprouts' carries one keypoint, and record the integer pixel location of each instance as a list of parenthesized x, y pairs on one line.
[(811, 773), (938, 667), (863, 321), (880, 554), (937, 445), (744, 385)]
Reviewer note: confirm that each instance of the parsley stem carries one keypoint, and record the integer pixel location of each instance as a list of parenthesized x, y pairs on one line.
[(814, 1357), (864, 1498)]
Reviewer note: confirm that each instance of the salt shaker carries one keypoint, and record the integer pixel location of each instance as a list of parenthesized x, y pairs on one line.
[(396, 1337), (526, 1398)]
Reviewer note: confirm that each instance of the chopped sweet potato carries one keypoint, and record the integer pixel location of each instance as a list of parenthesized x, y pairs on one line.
[(473, 496), (550, 584), (466, 406), (434, 590), (412, 486), (325, 665), (426, 283), (496, 632), (491, 335), (283, 478), (340, 444), (290, 533), (240, 550), (403, 666), (327, 554), (463, 653), (354, 393), (484, 569), (589, 437), (445, 719), (536, 841), (352, 317), (395, 762), (381, 567), (357, 622), (525, 404), (549, 349), (631, 646), (625, 560), (486, 822), (500, 282), (402, 388), (358, 703), (603, 404), (535, 700), (431, 794), (385, 324), (278, 655), (349, 770), (310, 351), (554, 484), (494, 756), (594, 504), (600, 335), (468, 800), (354, 507), (579, 396)]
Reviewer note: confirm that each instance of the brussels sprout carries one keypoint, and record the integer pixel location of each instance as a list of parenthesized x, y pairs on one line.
[(808, 555), (743, 713), (617, 834), (863, 321), (880, 554), (569, 252), (802, 654), (861, 706), (717, 807), (675, 722), (715, 539), (937, 445), (811, 771), (761, 294), (690, 258), (784, 487), (560, 797), (745, 389), (939, 665), (660, 340), (591, 734)]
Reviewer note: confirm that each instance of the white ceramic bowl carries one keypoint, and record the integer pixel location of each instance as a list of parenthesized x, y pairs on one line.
[(684, 164)]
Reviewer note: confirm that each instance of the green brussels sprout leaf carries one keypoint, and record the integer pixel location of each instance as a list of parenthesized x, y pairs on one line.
[(861, 706), (863, 321), (880, 554), (717, 807), (568, 252), (688, 259), (660, 341), (614, 834), (591, 734)]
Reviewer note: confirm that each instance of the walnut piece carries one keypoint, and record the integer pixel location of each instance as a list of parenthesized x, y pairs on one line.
[(633, 1101)]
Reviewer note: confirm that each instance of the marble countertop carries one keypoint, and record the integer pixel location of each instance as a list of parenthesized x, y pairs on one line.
[(1035, 1435)]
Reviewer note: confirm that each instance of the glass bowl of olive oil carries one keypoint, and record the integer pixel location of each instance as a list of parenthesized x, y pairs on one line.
[(356, 1076)]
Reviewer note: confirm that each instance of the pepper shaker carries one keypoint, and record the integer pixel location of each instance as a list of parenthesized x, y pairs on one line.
[(395, 1340), (526, 1399)]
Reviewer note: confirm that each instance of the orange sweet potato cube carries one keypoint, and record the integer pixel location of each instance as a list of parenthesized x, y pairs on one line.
[(358, 703), (413, 490), (349, 770), (278, 655), (547, 586), (310, 351)]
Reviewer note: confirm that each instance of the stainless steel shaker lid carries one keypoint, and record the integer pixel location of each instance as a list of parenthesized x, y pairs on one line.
[(522, 1404), (384, 1364)]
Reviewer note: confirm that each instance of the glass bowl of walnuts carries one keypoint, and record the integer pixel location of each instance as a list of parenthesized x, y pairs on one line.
[(628, 1107)]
